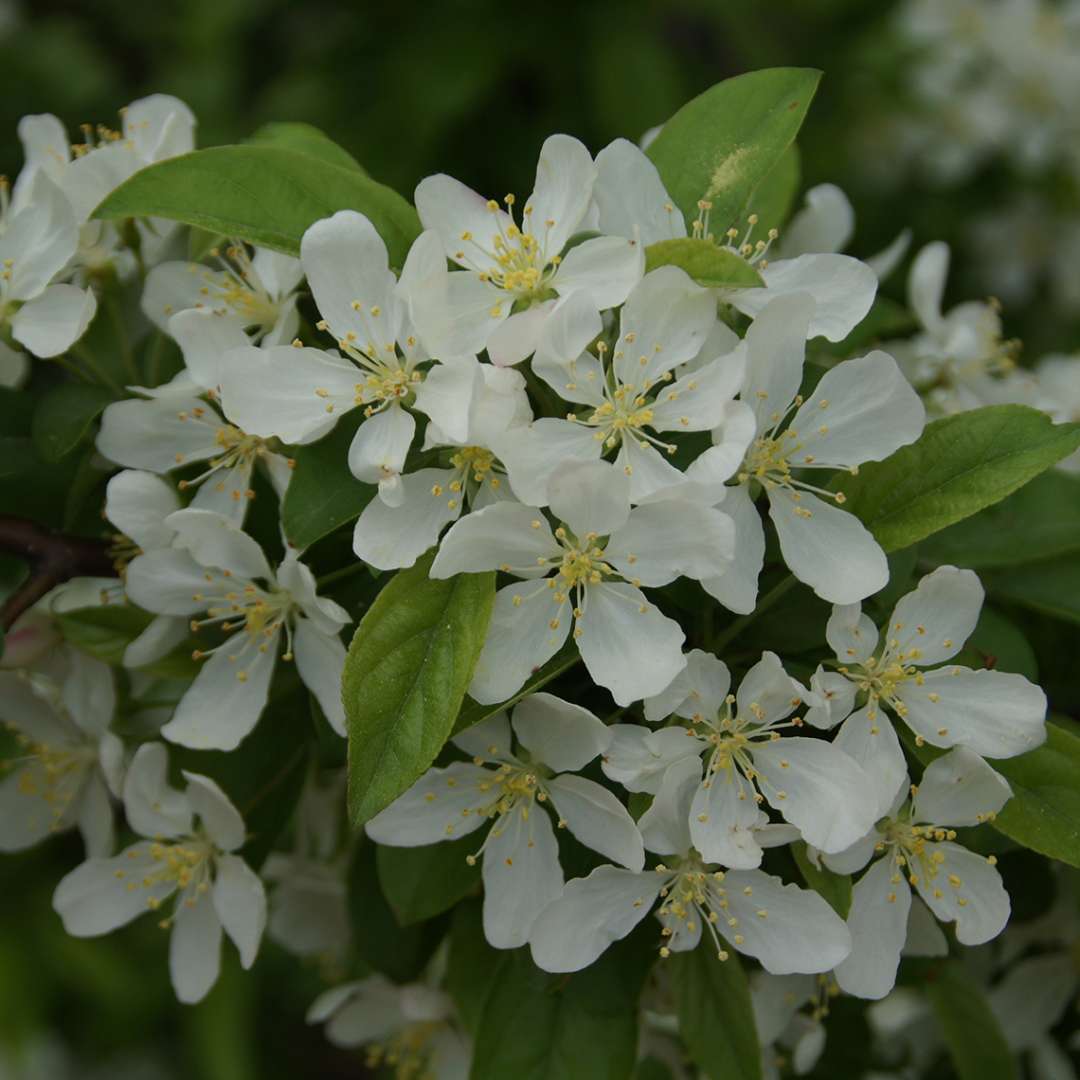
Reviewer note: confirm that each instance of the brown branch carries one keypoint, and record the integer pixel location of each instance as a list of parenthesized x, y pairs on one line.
[(53, 558)]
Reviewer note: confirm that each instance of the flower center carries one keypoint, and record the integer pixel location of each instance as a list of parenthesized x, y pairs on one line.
[(51, 773), (909, 843), (259, 614), (408, 1052), (240, 289), (694, 896)]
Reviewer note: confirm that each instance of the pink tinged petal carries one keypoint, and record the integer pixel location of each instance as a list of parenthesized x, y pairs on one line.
[(926, 283), (378, 450), (224, 703), (504, 534), (589, 497), (697, 401), (851, 635), (152, 806), (631, 197), (830, 550), (220, 819), (562, 191), (665, 321), (517, 337), (103, 894), (878, 928), (775, 346), (320, 660), (827, 795), (446, 395), (628, 646), (443, 804), (204, 338), (798, 932), (195, 950), (532, 454), (51, 323), (841, 287), (391, 537), (521, 638), (240, 903), (824, 225), (592, 913), (723, 817), (968, 890), (167, 581), (638, 758), (138, 503), (597, 818), (160, 434), (215, 542), (521, 875), (959, 788), (871, 741), (665, 826), (664, 541), (931, 623), (736, 588), (605, 269), (862, 410), (995, 713), (563, 736)]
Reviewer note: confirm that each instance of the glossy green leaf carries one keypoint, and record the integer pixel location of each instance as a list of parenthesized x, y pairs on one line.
[(707, 263), (422, 882), (721, 145), (773, 198), (1051, 586), (406, 673), (716, 1018), (64, 415), (959, 466), (971, 1032), (323, 494), (835, 889), (305, 139), (266, 195)]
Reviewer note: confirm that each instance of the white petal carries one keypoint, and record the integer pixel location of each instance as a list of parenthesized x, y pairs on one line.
[(565, 175), (1032, 998), (696, 402), (94, 817), (978, 903), (604, 269), (38, 240), (872, 742), (995, 713), (767, 692), (160, 434), (648, 470), (831, 699), (240, 903), (878, 928), (172, 287), (451, 209), (216, 542), (14, 367), (227, 493), (45, 143), (589, 497), (959, 788), (736, 588), (447, 394), (824, 224), (531, 454), (563, 736), (151, 805), (830, 550), (504, 534), (441, 805), (379, 448), (696, 693), (159, 126), (89, 693), (372, 1011), (490, 739), (665, 826), (195, 951), (51, 323), (518, 336), (280, 274), (320, 660), (775, 347), (628, 646), (632, 198), (204, 338), (856, 856), (167, 581), (456, 313), (851, 635), (926, 283), (637, 758), (829, 797), (220, 708), (663, 541), (862, 410), (138, 503), (521, 876), (27, 814), (597, 819), (591, 914), (220, 819), (931, 623), (722, 820)]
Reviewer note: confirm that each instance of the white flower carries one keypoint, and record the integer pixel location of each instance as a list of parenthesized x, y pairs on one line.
[(995, 713), (392, 536), (861, 410), (788, 929), (628, 646), (779, 1002), (214, 889), (749, 759), (215, 568), (632, 202), (919, 850), (513, 272), (410, 1028), (634, 395), (298, 394), (510, 790), (68, 761)]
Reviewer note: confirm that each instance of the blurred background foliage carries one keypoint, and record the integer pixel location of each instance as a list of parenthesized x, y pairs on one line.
[(468, 87)]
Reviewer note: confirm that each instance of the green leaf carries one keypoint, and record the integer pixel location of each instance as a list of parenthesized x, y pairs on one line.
[(725, 142), (970, 1029), (406, 673), (472, 712), (104, 632), (305, 139), (536, 1026), (323, 494), (960, 465), (1040, 521), (422, 882), (772, 199), (716, 1019), (266, 195), (835, 889), (470, 963), (64, 415), (707, 263), (1051, 586)]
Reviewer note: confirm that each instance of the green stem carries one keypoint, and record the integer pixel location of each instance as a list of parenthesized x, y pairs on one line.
[(117, 318), (72, 369), (98, 371), (734, 629), (336, 575), (153, 359)]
